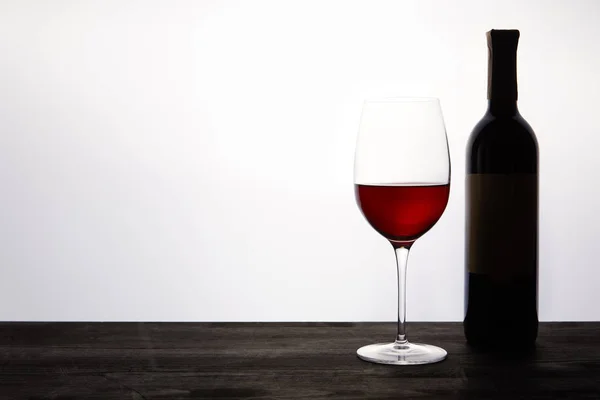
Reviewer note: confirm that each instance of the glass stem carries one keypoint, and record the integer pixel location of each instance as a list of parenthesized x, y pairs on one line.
[(401, 262)]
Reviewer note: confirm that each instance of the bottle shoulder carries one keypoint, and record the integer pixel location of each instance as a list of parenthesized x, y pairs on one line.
[(503, 128), (502, 144)]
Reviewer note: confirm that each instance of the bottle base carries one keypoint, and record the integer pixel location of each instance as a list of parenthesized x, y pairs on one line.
[(501, 345)]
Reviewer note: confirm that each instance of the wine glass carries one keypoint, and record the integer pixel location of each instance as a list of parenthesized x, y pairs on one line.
[(402, 184)]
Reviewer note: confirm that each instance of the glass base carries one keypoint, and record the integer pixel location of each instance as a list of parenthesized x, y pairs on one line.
[(401, 354)]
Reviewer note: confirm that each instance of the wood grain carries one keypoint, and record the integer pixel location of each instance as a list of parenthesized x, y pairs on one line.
[(67, 361)]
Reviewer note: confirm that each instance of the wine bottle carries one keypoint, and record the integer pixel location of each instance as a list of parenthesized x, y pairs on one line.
[(501, 258)]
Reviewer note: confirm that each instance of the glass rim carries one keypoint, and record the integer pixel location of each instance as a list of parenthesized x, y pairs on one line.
[(402, 99)]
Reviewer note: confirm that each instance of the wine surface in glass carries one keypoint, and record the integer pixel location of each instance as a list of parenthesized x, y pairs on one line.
[(402, 213)]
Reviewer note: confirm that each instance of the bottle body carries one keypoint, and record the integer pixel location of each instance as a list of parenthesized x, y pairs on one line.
[(502, 234), (501, 257)]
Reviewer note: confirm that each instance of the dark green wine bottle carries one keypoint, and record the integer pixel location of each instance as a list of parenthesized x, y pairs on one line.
[(501, 257)]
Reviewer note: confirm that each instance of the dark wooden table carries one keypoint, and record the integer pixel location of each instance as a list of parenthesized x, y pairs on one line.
[(70, 361)]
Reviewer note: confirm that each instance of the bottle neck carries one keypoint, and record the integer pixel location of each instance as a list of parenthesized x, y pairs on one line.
[(502, 81), (501, 108)]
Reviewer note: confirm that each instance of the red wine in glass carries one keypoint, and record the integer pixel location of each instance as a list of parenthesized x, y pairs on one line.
[(402, 213)]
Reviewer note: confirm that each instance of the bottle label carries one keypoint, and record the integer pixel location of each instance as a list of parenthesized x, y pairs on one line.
[(502, 225)]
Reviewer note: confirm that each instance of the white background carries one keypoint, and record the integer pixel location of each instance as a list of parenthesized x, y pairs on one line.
[(192, 160)]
